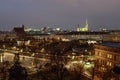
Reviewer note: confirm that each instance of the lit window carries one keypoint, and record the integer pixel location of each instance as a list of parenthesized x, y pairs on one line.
[(99, 54), (109, 56), (109, 64)]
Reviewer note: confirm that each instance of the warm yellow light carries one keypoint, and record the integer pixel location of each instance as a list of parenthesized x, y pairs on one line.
[(73, 57), (1, 58), (88, 63)]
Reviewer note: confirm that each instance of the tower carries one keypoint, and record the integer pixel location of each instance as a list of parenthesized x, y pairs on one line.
[(86, 25), (85, 28), (78, 28)]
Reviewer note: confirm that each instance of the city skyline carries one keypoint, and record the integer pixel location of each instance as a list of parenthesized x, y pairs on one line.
[(66, 14)]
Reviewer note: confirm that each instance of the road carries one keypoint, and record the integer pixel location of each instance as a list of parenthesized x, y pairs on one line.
[(80, 65), (26, 61), (29, 62)]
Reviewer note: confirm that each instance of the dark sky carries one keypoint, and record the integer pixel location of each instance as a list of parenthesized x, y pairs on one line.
[(60, 13)]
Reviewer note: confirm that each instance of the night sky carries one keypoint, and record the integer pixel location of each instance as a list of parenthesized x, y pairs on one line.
[(60, 13)]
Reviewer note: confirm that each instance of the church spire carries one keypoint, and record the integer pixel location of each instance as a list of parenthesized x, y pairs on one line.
[(86, 26)]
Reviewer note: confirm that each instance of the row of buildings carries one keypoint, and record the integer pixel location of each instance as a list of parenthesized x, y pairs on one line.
[(19, 32)]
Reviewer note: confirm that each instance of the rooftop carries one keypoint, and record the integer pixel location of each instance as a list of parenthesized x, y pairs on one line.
[(83, 33), (112, 44)]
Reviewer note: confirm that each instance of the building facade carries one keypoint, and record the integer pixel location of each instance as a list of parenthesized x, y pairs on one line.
[(96, 35), (114, 35), (107, 55)]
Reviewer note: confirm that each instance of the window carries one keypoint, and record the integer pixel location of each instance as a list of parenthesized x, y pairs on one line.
[(109, 56), (109, 63), (96, 53), (99, 54)]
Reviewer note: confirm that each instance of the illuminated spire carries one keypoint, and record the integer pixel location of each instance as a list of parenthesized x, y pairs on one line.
[(86, 26)]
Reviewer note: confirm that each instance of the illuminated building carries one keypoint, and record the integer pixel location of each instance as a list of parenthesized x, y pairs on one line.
[(82, 35), (107, 55), (40, 36), (83, 28), (114, 35)]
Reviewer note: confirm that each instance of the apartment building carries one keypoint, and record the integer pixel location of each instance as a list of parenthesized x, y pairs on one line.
[(107, 55)]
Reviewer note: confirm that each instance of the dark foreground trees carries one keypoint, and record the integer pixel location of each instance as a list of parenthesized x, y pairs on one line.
[(17, 72)]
